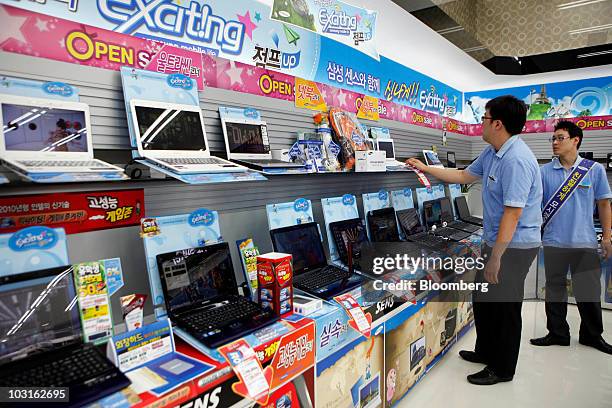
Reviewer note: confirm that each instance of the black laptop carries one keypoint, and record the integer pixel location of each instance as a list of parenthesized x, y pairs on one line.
[(41, 340), (201, 295), (311, 273), (447, 216), (345, 232), (383, 225), (437, 214), (411, 226), (464, 212)]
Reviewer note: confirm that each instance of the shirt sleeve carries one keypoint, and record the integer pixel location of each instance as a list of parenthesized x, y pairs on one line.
[(600, 183), (476, 169), (517, 179)]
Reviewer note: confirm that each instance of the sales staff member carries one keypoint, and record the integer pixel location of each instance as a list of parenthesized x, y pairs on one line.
[(570, 241), (512, 195)]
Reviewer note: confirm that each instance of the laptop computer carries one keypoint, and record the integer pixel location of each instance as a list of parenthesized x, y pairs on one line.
[(173, 137), (41, 341), (447, 212), (431, 159), (383, 225), (47, 136), (311, 272), (451, 162), (388, 146), (464, 212), (438, 214), (247, 142), (411, 226), (417, 352), (201, 295)]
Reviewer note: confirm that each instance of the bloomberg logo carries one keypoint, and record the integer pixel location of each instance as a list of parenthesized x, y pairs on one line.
[(163, 16)]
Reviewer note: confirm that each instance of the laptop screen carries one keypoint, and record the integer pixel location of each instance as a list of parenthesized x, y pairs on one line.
[(431, 158), (417, 352), (303, 242), (433, 212), (462, 207), (446, 209), (169, 129), (193, 275), (346, 231), (40, 129), (450, 158), (387, 147), (245, 138), (38, 312), (410, 222), (383, 225)]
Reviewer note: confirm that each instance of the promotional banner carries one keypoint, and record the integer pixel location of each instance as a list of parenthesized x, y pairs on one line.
[(75, 212), (368, 108), (94, 302), (307, 95), (347, 24), (586, 102), (117, 34)]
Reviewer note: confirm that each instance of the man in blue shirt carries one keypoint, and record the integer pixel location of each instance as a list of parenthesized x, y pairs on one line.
[(570, 243), (512, 195)]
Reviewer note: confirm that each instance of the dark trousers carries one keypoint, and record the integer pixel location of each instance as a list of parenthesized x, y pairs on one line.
[(497, 313), (585, 269)]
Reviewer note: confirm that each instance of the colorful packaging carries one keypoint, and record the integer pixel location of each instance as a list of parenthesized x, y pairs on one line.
[(275, 289), (349, 134)]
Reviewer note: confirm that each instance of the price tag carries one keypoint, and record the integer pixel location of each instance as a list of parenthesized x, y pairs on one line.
[(248, 369), (93, 300), (421, 176), (361, 321)]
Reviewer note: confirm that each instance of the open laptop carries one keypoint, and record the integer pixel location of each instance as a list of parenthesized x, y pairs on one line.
[(41, 342), (388, 146), (417, 352), (247, 142), (311, 272), (451, 161), (173, 137), (431, 159), (201, 295), (464, 212), (383, 225), (349, 231), (411, 226), (48, 136), (438, 214), (447, 212)]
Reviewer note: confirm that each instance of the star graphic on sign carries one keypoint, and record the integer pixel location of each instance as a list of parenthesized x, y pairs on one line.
[(258, 17), (234, 74), (62, 43), (41, 25), (249, 26), (341, 98), (11, 27)]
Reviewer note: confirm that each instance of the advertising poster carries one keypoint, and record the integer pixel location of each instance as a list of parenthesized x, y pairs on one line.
[(94, 302), (75, 212)]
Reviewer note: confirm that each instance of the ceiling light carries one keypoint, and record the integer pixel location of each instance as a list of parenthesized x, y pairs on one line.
[(594, 54), (450, 30), (591, 29), (472, 49), (580, 3)]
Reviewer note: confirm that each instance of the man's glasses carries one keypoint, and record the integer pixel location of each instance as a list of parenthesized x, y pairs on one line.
[(558, 138), (482, 119)]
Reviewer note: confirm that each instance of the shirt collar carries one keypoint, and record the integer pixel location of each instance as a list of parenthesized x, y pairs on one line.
[(557, 163), (506, 146)]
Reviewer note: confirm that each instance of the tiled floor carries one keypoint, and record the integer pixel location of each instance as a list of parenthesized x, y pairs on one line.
[(574, 376)]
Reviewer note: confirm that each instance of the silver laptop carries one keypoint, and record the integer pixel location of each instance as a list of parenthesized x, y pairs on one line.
[(173, 137), (47, 136), (388, 146), (431, 159), (246, 141)]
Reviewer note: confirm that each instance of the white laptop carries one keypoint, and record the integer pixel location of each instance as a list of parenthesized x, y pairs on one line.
[(47, 136), (173, 136), (388, 146), (246, 141), (431, 159)]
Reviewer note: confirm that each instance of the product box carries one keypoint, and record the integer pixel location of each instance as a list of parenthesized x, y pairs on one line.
[(370, 160), (275, 272)]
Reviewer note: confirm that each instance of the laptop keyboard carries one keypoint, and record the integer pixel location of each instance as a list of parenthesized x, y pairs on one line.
[(63, 163), (429, 240), (322, 277), (201, 160), (85, 366), (238, 308), (464, 226)]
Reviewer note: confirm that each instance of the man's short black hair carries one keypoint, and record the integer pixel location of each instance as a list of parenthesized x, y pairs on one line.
[(511, 111), (571, 128)]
